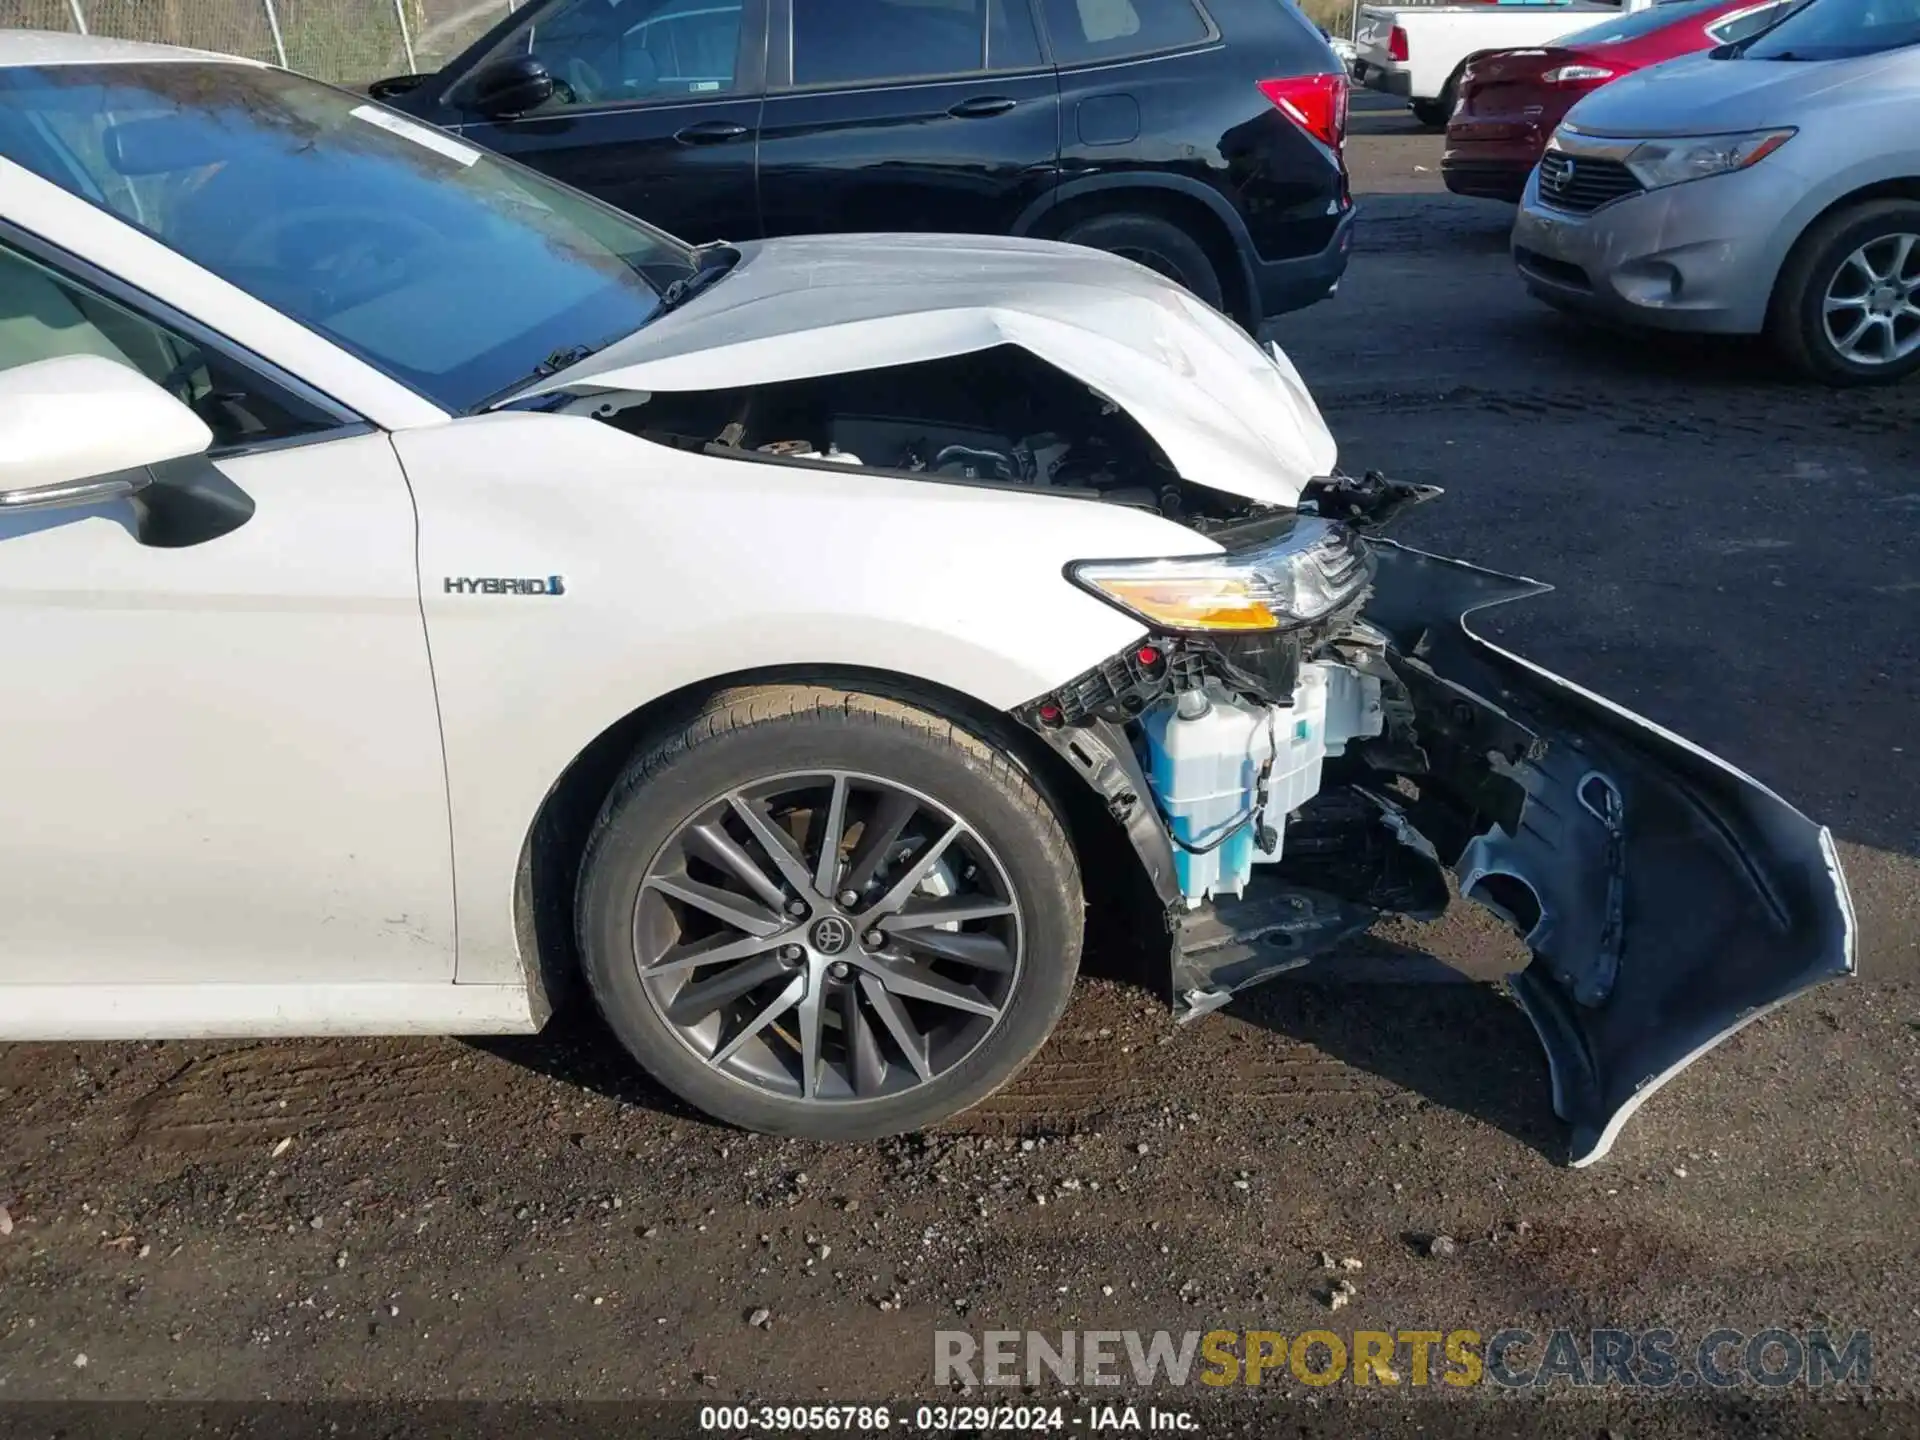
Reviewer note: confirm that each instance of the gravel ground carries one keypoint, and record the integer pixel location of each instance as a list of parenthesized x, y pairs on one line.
[(405, 1220)]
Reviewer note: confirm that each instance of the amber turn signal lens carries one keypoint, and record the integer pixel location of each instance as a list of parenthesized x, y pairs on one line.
[(1202, 602)]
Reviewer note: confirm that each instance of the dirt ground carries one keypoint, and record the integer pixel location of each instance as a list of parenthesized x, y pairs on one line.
[(337, 1221)]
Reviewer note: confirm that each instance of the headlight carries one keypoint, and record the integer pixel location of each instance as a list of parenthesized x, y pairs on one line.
[(1300, 576), (1694, 157)]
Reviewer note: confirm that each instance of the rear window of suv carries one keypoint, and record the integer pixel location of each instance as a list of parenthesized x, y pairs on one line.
[(842, 42), (1089, 30)]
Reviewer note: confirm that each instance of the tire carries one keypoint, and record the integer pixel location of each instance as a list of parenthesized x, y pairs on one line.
[(773, 743), (1435, 113), (1158, 244), (1822, 265)]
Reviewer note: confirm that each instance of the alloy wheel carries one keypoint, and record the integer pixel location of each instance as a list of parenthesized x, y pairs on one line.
[(829, 937), (1871, 310)]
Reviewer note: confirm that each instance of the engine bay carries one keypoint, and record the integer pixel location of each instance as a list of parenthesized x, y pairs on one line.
[(1001, 417)]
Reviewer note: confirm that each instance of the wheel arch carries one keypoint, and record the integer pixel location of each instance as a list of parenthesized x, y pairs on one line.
[(555, 843), (1201, 211), (1891, 187)]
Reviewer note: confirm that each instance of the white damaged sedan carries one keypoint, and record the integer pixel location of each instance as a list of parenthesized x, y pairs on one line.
[(425, 586)]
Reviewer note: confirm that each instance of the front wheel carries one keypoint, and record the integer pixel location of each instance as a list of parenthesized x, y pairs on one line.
[(819, 913), (1847, 309)]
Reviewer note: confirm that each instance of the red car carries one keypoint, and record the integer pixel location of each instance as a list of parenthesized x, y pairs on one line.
[(1511, 100)]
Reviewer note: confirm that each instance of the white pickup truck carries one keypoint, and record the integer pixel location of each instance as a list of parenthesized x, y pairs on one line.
[(1417, 51)]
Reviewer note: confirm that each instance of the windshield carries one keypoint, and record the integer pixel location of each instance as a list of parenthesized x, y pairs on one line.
[(1641, 22), (454, 271), (1839, 29)]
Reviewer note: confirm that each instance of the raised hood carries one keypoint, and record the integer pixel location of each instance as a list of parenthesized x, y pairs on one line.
[(1698, 95), (1228, 414)]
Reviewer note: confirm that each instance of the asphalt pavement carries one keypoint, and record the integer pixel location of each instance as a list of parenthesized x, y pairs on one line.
[(1736, 557)]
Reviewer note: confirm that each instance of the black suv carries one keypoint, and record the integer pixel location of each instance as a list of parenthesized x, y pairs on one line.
[(1201, 140)]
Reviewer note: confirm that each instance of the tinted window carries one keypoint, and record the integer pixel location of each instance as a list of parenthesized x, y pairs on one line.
[(1012, 42), (848, 41), (1836, 29), (602, 52), (454, 271), (1737, 26), (1083, 30), (1632, 27), (45, 314)]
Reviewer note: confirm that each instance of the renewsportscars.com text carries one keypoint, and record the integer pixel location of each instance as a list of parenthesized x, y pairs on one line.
[(1508, 1358)]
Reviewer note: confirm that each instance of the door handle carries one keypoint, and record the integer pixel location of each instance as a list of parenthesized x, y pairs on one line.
[(982, 106), (711, 132)]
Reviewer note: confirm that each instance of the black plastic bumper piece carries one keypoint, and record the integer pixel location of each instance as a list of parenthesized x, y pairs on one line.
[(1667, 899)]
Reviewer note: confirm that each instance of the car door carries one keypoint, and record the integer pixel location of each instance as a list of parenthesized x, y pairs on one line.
[(221, 760), (928, 115), (656, 107)]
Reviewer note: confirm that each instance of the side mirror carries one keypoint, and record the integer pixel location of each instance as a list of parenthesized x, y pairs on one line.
[(390, 89), (512, 86), (82, 429)]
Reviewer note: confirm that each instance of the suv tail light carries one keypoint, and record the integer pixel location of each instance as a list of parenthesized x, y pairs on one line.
[(1316, 103), (1397, 44)]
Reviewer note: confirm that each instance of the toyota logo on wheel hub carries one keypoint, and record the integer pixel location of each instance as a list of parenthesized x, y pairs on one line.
[(831, 935)]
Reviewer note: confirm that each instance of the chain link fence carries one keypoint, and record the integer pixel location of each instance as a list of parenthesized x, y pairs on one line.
[(349, 42)]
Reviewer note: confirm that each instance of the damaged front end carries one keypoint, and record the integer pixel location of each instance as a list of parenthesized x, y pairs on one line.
[(1306, 735), (1289, 777)]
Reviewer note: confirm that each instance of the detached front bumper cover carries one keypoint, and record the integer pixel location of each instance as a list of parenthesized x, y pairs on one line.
[(1667, 898)]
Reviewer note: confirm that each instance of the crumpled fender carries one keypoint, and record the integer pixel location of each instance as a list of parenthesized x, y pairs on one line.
[(1668, 899)]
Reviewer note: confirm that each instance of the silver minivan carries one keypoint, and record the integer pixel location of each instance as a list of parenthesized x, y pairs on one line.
[(1770, 186)]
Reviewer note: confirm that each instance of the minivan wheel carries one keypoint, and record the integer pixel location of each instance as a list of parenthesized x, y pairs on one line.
[(821, 913), (1847, 309), (1158, 244)]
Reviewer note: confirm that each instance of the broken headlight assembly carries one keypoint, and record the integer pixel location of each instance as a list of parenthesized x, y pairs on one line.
[(1234, 717), (1279, 574)]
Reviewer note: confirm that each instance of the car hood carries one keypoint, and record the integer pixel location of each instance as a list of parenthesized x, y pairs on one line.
[(1698, 95), (1228, 414)]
